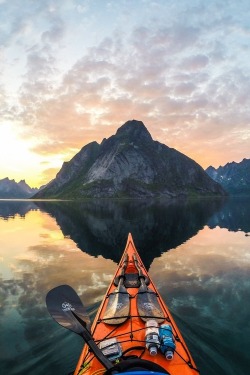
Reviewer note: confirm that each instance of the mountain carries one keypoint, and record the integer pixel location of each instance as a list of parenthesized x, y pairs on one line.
[(129, 164), (234, 177), (10, 189)]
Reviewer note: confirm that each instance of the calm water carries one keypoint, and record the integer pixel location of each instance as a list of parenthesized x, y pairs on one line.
[(198, 255)]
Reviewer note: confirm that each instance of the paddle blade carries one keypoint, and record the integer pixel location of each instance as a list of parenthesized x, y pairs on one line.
[(148, 305), (118, 307), (64, 304)]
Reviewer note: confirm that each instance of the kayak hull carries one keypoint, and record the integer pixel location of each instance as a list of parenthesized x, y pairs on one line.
[(129, 330)]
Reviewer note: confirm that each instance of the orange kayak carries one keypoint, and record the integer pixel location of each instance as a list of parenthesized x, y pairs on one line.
[(134, 328)]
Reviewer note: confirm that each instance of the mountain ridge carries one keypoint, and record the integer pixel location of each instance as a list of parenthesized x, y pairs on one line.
[(10, 189), (233, 177), (129, 164)]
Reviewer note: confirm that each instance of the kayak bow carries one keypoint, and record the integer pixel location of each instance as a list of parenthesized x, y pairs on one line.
[(124, 343)]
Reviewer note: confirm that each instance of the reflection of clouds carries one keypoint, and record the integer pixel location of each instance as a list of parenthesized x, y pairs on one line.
[(43, 258), (8, 288), (52, 265), (50, 258), (208, 276), (205, 282)]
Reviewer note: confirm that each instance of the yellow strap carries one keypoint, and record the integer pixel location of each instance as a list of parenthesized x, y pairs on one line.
[(97, 372)]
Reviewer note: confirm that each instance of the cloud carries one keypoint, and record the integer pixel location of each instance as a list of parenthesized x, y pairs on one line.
[(110, 84), (55, 33), (183, 71), (195, 63), (48, 175)]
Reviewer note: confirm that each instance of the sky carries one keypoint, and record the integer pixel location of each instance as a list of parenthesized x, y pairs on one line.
[(74, 71)]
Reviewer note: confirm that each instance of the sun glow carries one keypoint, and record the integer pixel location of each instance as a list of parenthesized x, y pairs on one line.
[(16, 158)]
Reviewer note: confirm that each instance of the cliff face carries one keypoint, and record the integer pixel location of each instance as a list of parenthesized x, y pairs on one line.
[(233, 177), (130, 164)]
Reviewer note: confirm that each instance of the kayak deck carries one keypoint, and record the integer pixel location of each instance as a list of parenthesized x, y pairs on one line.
[(131, 294)]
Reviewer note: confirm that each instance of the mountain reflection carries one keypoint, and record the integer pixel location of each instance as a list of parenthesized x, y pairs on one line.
[(11, 208), (101, 227), (235, 215)]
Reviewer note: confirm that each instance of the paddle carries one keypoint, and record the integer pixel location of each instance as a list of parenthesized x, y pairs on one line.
[(66, 308), (147, 302), (141, 275), (124, 266), (118, 306)]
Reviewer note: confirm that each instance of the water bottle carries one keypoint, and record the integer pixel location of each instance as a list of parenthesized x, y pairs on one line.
[(167, 341), (152, 336)]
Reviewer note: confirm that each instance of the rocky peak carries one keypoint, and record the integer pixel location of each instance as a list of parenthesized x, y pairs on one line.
[(23, 184), (12, 189), (134, 130)]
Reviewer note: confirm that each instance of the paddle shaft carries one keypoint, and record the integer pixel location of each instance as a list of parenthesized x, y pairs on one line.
[(140, 273), (124, 266), (86, 335)]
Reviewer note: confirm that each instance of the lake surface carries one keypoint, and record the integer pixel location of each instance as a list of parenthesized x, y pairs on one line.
[(197, 253)]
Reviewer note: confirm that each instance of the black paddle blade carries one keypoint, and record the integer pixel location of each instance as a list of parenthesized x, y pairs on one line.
[(118, 307), (65, 306), (148, 305)]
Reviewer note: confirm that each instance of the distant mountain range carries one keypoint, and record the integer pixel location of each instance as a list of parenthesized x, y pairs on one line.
[(233, 177), (10, 189), (130, 164)]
